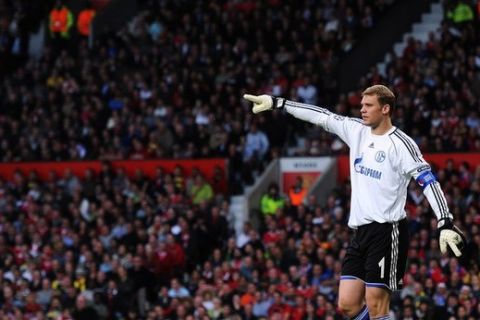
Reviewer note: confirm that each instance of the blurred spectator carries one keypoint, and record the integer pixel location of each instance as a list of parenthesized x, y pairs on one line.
[(272, 200), (99, 306), (84, 20), (201, 191), (256, 146), (82, 311), (177, 290), (60, 23), (297, 192), (307, 92), (461, 12)]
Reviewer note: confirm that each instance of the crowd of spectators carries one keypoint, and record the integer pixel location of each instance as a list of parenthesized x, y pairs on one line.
[(106, 236), (438, 85), (109, 246), (112, 247), (161, 88), (170, 83)]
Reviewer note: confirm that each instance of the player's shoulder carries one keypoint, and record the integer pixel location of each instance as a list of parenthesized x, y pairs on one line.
[(397, 135), (350, 121), (340, 117), (403, 143), (356, 121)]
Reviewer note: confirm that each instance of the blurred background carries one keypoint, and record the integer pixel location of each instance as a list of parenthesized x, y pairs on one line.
[(135, 183)]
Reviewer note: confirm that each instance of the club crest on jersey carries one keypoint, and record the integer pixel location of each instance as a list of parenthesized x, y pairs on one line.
[(380, 156), (369, 172)]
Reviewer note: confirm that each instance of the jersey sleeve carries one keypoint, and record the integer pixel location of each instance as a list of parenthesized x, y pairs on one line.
[(344, 127), (414, 165)]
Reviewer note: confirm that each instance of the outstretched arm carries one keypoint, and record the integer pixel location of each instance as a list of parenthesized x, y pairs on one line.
[(308, 112), (302, 111), (344, 127)]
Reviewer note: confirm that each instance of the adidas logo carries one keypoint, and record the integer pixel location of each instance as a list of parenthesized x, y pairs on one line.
[(371, 145)]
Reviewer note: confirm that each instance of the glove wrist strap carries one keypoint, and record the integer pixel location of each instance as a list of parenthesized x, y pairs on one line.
[(444, 223), (278, 102)]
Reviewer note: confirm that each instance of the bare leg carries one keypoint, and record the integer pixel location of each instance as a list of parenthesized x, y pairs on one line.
[(378, 301), (351, 296)]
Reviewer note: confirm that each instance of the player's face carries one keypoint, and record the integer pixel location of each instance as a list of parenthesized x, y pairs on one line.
[(372, 112)]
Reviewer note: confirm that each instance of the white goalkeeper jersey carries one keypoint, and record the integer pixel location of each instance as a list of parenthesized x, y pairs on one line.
[(381, 167)]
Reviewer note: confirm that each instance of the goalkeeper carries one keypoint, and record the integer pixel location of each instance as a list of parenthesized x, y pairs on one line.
[(383, 159)]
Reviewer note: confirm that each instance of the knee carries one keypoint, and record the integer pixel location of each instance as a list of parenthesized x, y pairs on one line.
[(375, 308), (348, 307), (377, 305)]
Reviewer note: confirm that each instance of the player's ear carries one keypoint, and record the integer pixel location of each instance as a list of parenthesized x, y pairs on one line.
[(386, 109)]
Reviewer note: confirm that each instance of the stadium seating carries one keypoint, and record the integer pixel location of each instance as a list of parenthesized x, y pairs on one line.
[(112, 246)]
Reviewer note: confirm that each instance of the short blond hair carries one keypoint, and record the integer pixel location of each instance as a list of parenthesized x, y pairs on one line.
[(383, 93)]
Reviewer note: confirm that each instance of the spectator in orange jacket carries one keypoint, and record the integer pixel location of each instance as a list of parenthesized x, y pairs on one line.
[(297, 192), (84, 20)]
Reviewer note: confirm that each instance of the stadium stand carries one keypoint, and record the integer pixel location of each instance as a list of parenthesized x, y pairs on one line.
[(111, 246), (18, 20)]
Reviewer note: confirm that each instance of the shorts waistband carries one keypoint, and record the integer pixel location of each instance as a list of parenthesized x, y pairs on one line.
[(404, 220)]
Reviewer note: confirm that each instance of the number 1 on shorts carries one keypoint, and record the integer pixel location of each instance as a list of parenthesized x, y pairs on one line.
[(381, 264)]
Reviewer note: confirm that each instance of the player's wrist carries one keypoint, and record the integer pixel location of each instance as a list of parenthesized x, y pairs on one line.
[(278, 102), (445, 223)]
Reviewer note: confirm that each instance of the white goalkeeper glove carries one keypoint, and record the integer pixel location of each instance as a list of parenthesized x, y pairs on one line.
[(450, 237), (264, 102)]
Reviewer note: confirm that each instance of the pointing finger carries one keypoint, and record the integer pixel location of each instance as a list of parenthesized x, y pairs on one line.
[(252, 98)]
